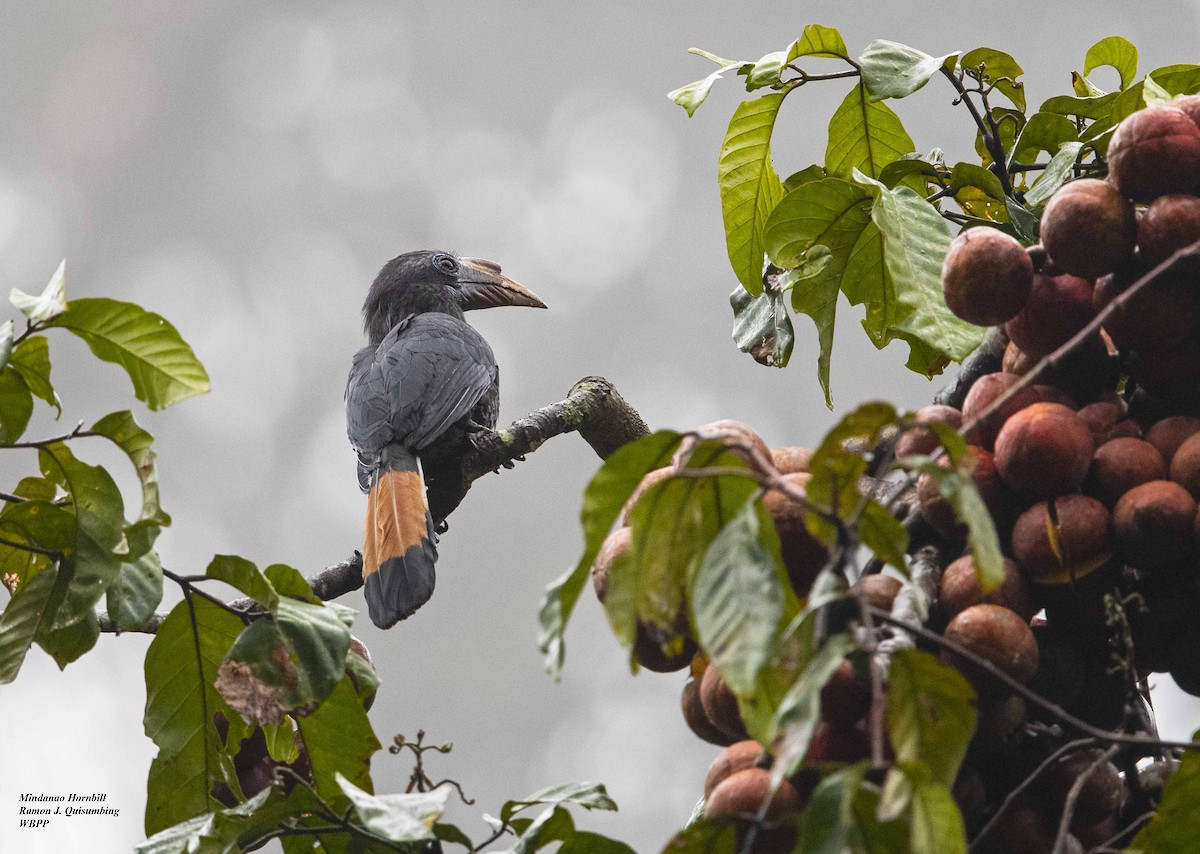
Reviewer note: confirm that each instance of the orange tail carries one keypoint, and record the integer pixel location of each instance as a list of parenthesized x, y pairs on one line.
[(398, 542)]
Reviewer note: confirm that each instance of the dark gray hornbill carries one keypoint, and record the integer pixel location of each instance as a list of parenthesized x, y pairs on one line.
[(423, 384)]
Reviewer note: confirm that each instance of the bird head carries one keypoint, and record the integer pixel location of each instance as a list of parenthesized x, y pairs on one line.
[(430, 280)]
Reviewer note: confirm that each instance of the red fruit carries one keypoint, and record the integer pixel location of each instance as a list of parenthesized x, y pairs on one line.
[(1152, 525), (1108, 420), (695, 718), (845, 698), (1057, 308), (960, 589), (1058, 542), (743, 794), (986, 276), (1121, 464), (1088, 228), (721, 706), (838, 743), (1185, 465), (1167, 434), (736, 757), (1155, 152), (803, 554), (921, 440), (1170, 223), (995, 634), (1044, 450)]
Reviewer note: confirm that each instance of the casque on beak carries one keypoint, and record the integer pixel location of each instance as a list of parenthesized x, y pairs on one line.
[(481, 285)]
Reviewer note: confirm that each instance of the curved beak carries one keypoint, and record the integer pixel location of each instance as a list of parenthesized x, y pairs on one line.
[(481, 285)]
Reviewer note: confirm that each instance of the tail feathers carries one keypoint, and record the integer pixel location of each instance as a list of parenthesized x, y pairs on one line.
[(399, 548)]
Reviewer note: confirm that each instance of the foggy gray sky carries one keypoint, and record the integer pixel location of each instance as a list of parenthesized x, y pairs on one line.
[(245, 169)]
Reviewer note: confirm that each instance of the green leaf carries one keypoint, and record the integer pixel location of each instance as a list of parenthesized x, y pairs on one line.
[(835, 469), (592, 796), (407, 817), (181, 665), (339, 740), (989, 202), (706, 836), (100, 543), (808, 173), (1044, 131), (692, 95), (31, 359), (800, 710), (893, 70), (1154, 95), (1088, 108), (450, 833), (957, 487), (49, 304), (818, 40), (930, 713), (287, 581), (937, 825), (602, 502), (999, 68), (553, 825), (163, 368), (762, 326), (737, 599), (22, 619), (6, 342), (244, 576), (866, 282), (828, 212), (911, 171), (673, 524), (1114, 51), (1175, 826), (864, 135), (67, 642), (138, 587), (915, 241), (1056, 173), (285, 665), (123, 430), (16, 405), (750, 189), (1009, 124), (584, 842), (883, 534)]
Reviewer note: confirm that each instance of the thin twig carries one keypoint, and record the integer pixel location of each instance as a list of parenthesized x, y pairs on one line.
[(1060, 838)]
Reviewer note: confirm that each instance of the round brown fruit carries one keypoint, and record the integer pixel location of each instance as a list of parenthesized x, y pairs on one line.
[(1057, 308), (986, 276), (792, 459), (803, 554), (660, 651), (961, 589), (879, 589), (1170, 223), (737, 435), (998, 635), (743, 794), (721, 706), (1058, 542), (984, 391), (1161, 313), (695, 718), (922, 440), (1155, 152), (1103, 791), (999, 718), (846, 743), (615, 546), (1088, 228), (1167, 434), (1108, 420), (1044, 450), (1121, 464), (845, 698), (736, 757), (1185, 465), (1152, 525)]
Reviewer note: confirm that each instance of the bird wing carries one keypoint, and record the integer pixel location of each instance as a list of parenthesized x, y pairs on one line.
[(426, 375)]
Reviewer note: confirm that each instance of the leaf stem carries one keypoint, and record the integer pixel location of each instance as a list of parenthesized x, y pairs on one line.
[(77, 433), (987, 129), (25, 547)]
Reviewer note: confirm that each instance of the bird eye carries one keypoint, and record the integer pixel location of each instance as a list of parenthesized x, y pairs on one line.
[(445, 263)]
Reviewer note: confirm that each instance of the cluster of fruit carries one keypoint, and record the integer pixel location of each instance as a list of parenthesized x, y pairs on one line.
[(1091, 477)]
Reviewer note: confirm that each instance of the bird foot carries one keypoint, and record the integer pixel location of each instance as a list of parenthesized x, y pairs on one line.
[(441, 527)]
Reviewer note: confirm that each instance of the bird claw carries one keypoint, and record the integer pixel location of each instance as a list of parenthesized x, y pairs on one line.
[(441, 527)]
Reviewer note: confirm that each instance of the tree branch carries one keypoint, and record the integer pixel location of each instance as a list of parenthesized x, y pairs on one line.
[(592, 408)]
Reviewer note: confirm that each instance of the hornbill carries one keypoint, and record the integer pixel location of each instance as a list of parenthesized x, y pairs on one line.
[(417, 392)]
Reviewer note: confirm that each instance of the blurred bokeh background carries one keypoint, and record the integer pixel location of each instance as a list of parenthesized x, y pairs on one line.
[(245, 169)]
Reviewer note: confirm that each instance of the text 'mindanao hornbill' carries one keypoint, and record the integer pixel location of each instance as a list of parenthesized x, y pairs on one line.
[(416, 392)]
